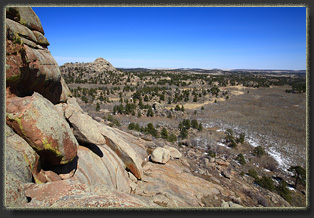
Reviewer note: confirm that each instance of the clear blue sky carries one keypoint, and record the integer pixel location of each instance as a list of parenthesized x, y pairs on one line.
[(175, 37)]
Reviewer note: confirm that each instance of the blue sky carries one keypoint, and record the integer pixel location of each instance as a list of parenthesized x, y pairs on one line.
[(178, 37)]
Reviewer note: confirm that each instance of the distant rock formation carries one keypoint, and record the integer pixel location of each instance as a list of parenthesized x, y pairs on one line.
[(100, 65), (98, 72)]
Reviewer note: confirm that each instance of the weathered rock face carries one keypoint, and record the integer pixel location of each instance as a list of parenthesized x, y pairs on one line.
[(29, 65), (36, 120), (104, 168)]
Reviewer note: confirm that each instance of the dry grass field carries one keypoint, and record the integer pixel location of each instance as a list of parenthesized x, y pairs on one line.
[(270, 117)]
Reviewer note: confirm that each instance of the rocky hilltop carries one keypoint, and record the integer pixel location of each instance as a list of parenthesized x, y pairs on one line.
[(100, 71), (98, 66), (56, 155)]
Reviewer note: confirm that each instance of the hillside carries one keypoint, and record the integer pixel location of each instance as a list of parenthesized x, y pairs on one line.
[(60, 152)]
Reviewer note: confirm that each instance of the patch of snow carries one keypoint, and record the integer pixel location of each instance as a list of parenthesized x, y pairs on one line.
[(283, 163), (291, 188), (222, 144), (252, 143)]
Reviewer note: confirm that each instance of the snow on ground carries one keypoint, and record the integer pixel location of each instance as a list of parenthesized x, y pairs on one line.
[(255, 139), (222, 144), (252, 142), (283, 163)]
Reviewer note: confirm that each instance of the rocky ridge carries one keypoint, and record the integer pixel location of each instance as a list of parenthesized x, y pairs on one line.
[(56, 155)]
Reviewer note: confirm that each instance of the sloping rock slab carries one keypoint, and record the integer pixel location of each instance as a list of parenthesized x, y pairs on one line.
[(107, 170), (71, 194), (127, 147), (176, 184), (85, 128), (37, 121)]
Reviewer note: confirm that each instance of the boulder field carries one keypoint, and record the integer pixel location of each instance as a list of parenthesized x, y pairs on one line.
[(56, 155)]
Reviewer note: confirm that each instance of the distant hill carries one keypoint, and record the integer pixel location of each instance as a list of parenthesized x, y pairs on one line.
[(100, 71)]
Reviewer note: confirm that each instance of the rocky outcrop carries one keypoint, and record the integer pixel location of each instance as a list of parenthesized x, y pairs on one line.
[(29, 65), (45, 127), (36, 120), (100, 65)]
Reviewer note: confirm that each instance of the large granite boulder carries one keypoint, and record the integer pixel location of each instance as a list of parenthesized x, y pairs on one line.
[(37, 121)]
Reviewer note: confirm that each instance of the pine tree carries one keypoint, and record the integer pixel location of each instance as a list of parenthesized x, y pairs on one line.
[(97, 107), (164, 133), (299, 174)]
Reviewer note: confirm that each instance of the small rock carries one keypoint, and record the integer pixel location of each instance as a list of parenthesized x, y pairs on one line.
[(230, 204), (174, 153), (226, 174), (52, 176), (67, 175), (224, 204), (236, 200), (222, 162), (211, 159), (160, 155), (208, 163)]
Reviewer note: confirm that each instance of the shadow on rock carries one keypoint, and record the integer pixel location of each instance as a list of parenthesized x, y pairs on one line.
[(94, 148), (64, 169)]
